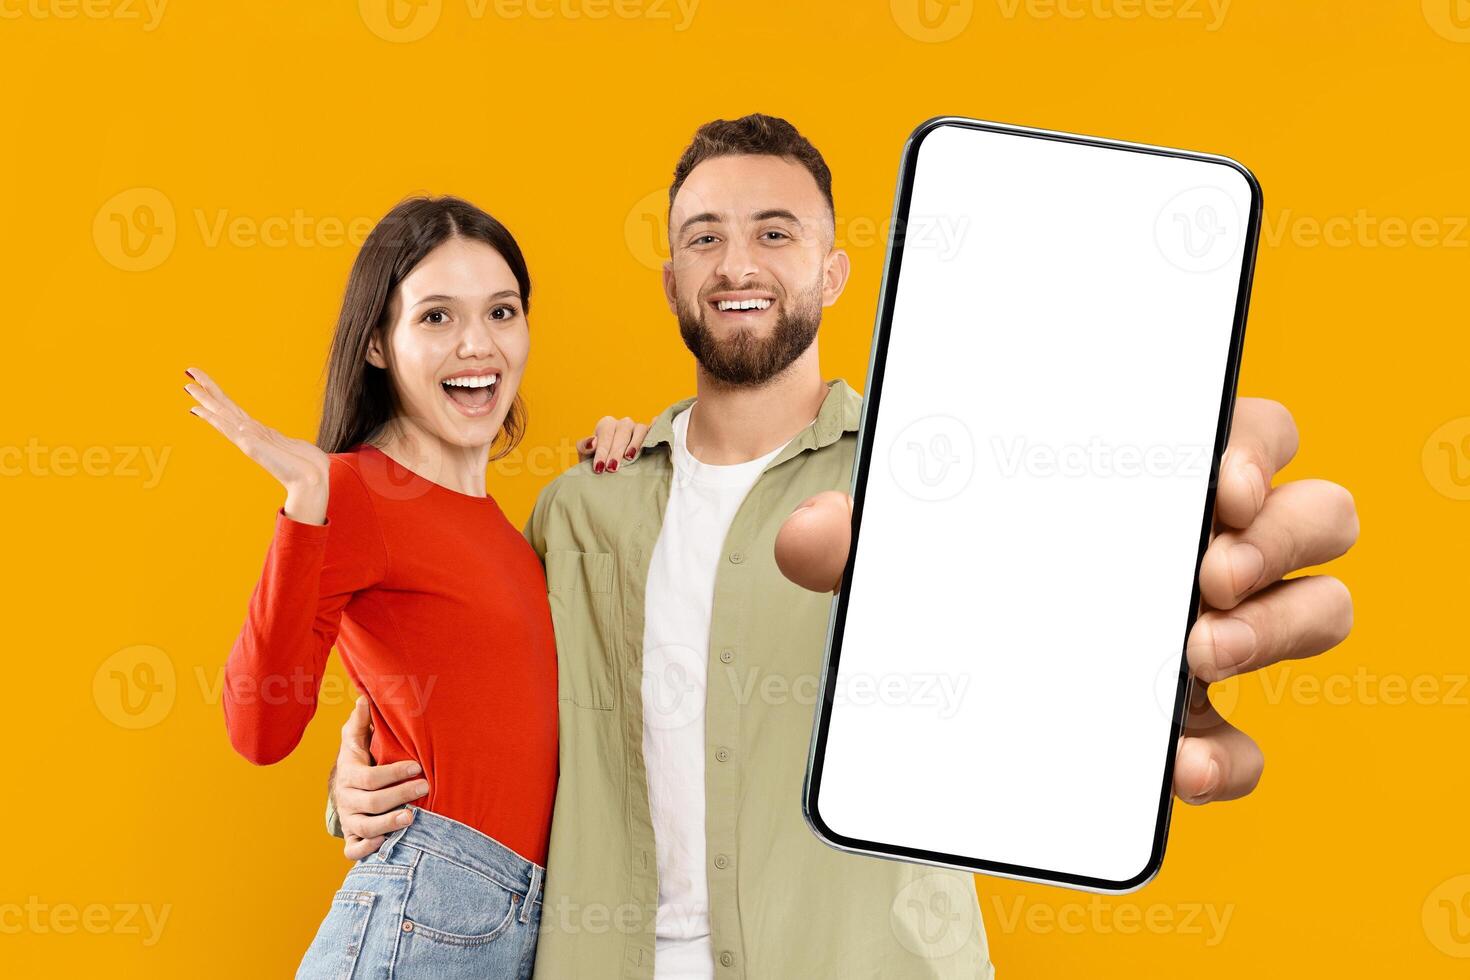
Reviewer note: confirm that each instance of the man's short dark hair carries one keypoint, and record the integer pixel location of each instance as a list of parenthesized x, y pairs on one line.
[(758, 135)]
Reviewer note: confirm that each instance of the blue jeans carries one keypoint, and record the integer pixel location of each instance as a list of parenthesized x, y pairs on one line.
[(439, 899)]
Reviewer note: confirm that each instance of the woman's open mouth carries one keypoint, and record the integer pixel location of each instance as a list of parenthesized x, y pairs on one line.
[(472, 394)]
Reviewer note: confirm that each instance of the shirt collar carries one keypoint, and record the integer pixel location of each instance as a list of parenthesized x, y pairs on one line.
[(841, 411)]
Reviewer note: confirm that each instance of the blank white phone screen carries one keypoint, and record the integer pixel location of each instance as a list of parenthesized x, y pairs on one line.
[(1034, 504)]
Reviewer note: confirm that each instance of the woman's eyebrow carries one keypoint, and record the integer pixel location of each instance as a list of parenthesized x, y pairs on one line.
[(442, 298)]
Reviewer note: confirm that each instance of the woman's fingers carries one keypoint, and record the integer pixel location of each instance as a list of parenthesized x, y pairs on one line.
[(617, 446), (615, 441), (602, 433), (635, 442)]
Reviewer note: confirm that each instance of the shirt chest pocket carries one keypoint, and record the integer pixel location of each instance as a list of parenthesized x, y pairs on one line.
[(579, 589)]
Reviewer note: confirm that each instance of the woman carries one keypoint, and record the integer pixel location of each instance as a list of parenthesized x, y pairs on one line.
[(389, 546)]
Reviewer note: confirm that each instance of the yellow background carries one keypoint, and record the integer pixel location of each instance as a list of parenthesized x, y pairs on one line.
[(249, 139)]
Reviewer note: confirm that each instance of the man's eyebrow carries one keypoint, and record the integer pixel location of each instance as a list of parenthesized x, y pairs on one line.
[(782, 213), (442, 298), (700, 218), (764, 215)]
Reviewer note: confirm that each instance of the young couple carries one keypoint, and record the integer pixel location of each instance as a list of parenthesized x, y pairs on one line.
[(580, 736)]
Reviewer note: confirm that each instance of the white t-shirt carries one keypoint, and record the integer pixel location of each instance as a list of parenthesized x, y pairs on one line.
[(679, 603)]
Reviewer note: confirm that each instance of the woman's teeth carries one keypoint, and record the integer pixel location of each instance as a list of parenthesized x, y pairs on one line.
[(742, 304), (483, 381), (472, 391)]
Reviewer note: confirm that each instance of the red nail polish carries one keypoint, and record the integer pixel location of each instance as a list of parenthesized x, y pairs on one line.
[(597, 467), (629, 454), (612, 466)]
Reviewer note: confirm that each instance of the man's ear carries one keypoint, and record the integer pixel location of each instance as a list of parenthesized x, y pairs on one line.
[(669, 290), (375, 351), (834, 275)]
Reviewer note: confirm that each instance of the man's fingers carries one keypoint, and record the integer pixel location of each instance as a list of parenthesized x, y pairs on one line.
[(1300, 617), (1263, 439), (373, 778), (1301, 524), (1216, 760), (365, 825), (353, 801), (356, 848), (812, 545), (358, 728)]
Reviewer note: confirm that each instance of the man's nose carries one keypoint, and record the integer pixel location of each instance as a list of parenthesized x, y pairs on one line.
[(737, 262)]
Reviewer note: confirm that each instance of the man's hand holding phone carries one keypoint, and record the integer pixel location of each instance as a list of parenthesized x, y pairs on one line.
[(1253, 616)]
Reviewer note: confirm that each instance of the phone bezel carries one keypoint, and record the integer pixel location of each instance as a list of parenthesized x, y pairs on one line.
[(872, 392)]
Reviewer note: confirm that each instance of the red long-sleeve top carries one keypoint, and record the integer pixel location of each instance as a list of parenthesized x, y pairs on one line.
[(438, 609)]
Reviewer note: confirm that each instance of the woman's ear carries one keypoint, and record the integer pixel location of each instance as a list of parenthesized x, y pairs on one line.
[(375, 352)]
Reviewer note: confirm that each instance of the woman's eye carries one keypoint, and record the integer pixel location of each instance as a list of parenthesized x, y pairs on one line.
[(502, 312), (436, 317)]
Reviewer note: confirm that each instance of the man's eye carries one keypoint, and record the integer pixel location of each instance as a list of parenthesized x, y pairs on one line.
[(436, 317), (704, 240), (774, 235)]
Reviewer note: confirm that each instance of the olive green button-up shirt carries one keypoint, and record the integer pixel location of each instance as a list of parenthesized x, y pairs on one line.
[(782, 904)]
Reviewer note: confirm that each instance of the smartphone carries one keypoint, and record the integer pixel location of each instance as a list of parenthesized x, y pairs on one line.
[(1050, 391)]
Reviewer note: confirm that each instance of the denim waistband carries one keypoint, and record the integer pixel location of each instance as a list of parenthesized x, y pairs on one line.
[(467, 847)]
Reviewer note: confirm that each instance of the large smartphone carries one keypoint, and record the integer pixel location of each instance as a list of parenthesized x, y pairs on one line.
[(1050, 391)]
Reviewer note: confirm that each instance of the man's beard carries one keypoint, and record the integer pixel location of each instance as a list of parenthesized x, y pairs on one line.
[(746, 360)]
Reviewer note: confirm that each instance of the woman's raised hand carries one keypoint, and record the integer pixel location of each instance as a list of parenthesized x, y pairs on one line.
[(301, 467)]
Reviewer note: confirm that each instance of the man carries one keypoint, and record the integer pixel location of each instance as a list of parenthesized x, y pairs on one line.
[(688, 662)]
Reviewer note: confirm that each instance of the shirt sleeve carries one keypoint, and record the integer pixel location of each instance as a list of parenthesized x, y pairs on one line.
[(274, 672)]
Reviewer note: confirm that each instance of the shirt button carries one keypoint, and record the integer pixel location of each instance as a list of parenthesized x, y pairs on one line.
[(723, 755), (726, 656), (727, 958), (721, 862), (736, 557)]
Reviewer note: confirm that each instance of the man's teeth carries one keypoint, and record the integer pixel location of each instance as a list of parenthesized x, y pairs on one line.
[(742, 304), (482, 381)]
